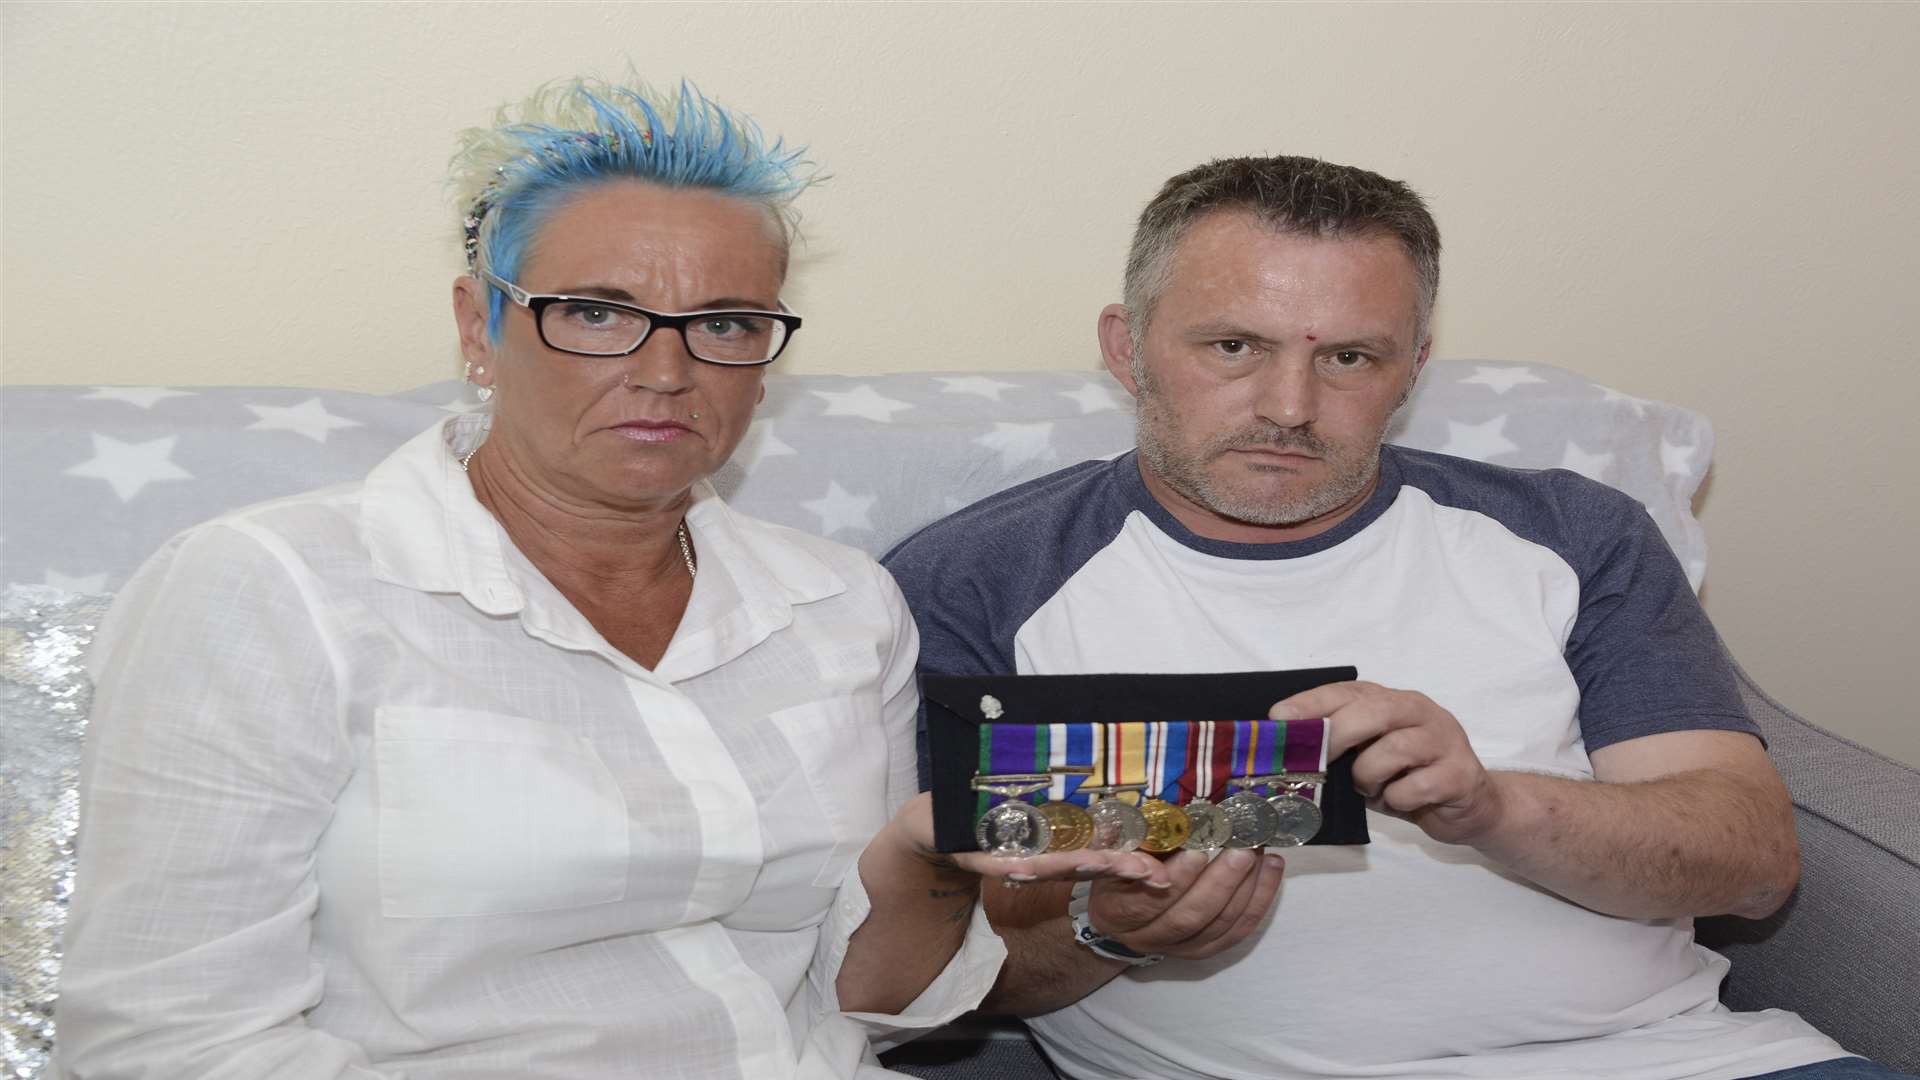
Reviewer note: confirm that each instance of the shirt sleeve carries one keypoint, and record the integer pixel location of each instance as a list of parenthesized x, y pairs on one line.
[(959, 987), (900, 696), (213, 756), (965, 980), (1645, 656)]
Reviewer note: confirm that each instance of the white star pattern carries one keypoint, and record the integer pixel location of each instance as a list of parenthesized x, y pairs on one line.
[(1019, 444), (1093, 398), (840, 509), (978, 385), (1615, 397), (1481, 442), (1501, 377), (143, 396), (83, 583), (1591, 466), (309, 418), (1676, 459), (760, 443), (862, 401), (129, 467)]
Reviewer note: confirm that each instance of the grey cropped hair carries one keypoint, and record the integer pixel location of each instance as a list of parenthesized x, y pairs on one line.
[(1300, 195)]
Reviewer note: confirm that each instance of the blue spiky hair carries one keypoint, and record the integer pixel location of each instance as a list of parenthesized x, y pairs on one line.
[(509, 178)]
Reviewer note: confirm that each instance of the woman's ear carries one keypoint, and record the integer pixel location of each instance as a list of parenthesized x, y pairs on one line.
[(470, 318)]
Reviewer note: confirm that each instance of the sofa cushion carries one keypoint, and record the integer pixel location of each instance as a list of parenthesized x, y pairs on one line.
[(98, 478)]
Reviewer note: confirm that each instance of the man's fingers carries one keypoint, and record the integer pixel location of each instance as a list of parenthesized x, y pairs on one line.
[(1318, 701), (1272, 871), (1223, 922), (1391, 756), (1356, 712), (1192, 912)]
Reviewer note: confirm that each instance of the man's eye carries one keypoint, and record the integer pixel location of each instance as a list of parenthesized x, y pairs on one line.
[(1349, 359), (1233, 347)]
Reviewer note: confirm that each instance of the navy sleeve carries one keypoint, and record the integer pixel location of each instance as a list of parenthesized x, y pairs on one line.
[(1642, 650), (973, 578)]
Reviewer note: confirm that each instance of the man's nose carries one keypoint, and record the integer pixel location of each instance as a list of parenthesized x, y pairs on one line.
[(1288, 394)]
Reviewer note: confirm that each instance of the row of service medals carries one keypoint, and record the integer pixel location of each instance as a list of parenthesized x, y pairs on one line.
[(1282, 817)]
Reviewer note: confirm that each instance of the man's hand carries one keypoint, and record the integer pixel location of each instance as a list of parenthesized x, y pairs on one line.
[(1209, 906), (1197, 909), (1681, 823), (1415, 761)]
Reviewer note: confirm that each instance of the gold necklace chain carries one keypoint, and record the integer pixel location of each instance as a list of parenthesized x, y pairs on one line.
[(686, 548)]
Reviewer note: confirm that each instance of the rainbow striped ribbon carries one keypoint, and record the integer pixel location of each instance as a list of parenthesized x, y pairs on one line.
[(1177, 760)]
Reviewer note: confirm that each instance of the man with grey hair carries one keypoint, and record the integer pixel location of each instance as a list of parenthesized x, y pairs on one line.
[(1560, 769)]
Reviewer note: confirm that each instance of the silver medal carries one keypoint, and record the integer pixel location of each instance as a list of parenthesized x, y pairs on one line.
[(1298, 819), (1211, 826), (1117, 826), (1254, 821), (1013, 830)]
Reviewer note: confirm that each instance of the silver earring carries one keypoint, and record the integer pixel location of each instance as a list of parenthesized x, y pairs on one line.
[(484, 393)]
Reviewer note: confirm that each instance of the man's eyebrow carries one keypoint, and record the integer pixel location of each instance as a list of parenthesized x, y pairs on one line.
[(1385, 345), (1225, 331)]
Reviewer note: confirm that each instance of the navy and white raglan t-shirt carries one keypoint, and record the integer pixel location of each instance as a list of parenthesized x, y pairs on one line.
[(1542, 609)]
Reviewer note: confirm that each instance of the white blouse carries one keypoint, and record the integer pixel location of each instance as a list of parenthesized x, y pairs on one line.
[(365, 796)]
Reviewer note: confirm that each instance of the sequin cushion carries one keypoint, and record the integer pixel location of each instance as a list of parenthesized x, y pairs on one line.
[(44, 694)]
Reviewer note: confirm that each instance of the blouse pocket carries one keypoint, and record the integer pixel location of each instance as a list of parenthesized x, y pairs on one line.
[(488, 814), (842, 750)]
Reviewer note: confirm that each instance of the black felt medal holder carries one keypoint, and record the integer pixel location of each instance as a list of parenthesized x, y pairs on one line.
[(955, 716)]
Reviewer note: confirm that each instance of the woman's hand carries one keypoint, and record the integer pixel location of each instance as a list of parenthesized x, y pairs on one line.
[(914, 825), (923, 902)]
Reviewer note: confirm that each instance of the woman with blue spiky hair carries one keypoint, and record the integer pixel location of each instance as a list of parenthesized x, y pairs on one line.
[(526, 756)]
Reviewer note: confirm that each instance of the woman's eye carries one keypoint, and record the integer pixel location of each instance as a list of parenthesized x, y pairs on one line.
[(589, 314)]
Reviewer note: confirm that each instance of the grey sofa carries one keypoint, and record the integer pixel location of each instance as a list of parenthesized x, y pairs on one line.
[(96, 478)]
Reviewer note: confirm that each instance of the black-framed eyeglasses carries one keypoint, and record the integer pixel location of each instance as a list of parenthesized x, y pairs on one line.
[(592, 326)]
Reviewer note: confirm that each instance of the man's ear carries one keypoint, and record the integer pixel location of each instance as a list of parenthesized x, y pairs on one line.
[(1116, 345), (1419, 365), (470, 319)]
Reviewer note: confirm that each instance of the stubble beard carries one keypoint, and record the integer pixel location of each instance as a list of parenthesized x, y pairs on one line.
[(1185, 470)]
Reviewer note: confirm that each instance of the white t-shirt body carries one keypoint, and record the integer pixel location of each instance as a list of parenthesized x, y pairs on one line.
[(1542, 610)]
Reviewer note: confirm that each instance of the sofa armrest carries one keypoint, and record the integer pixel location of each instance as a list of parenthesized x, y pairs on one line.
[(1844, 952)]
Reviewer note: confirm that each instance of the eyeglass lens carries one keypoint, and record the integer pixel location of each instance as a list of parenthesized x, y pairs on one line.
[(723, 337)]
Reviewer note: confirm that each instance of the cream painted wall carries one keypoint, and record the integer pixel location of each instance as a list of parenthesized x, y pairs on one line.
[(1712, 204)]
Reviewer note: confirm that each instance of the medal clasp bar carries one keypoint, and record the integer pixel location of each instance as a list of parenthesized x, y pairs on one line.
[(1011, 784), (1291, 781)]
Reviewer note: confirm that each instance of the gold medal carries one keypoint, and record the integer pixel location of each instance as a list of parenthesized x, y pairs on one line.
[(1167, 826), (1071, 826)]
